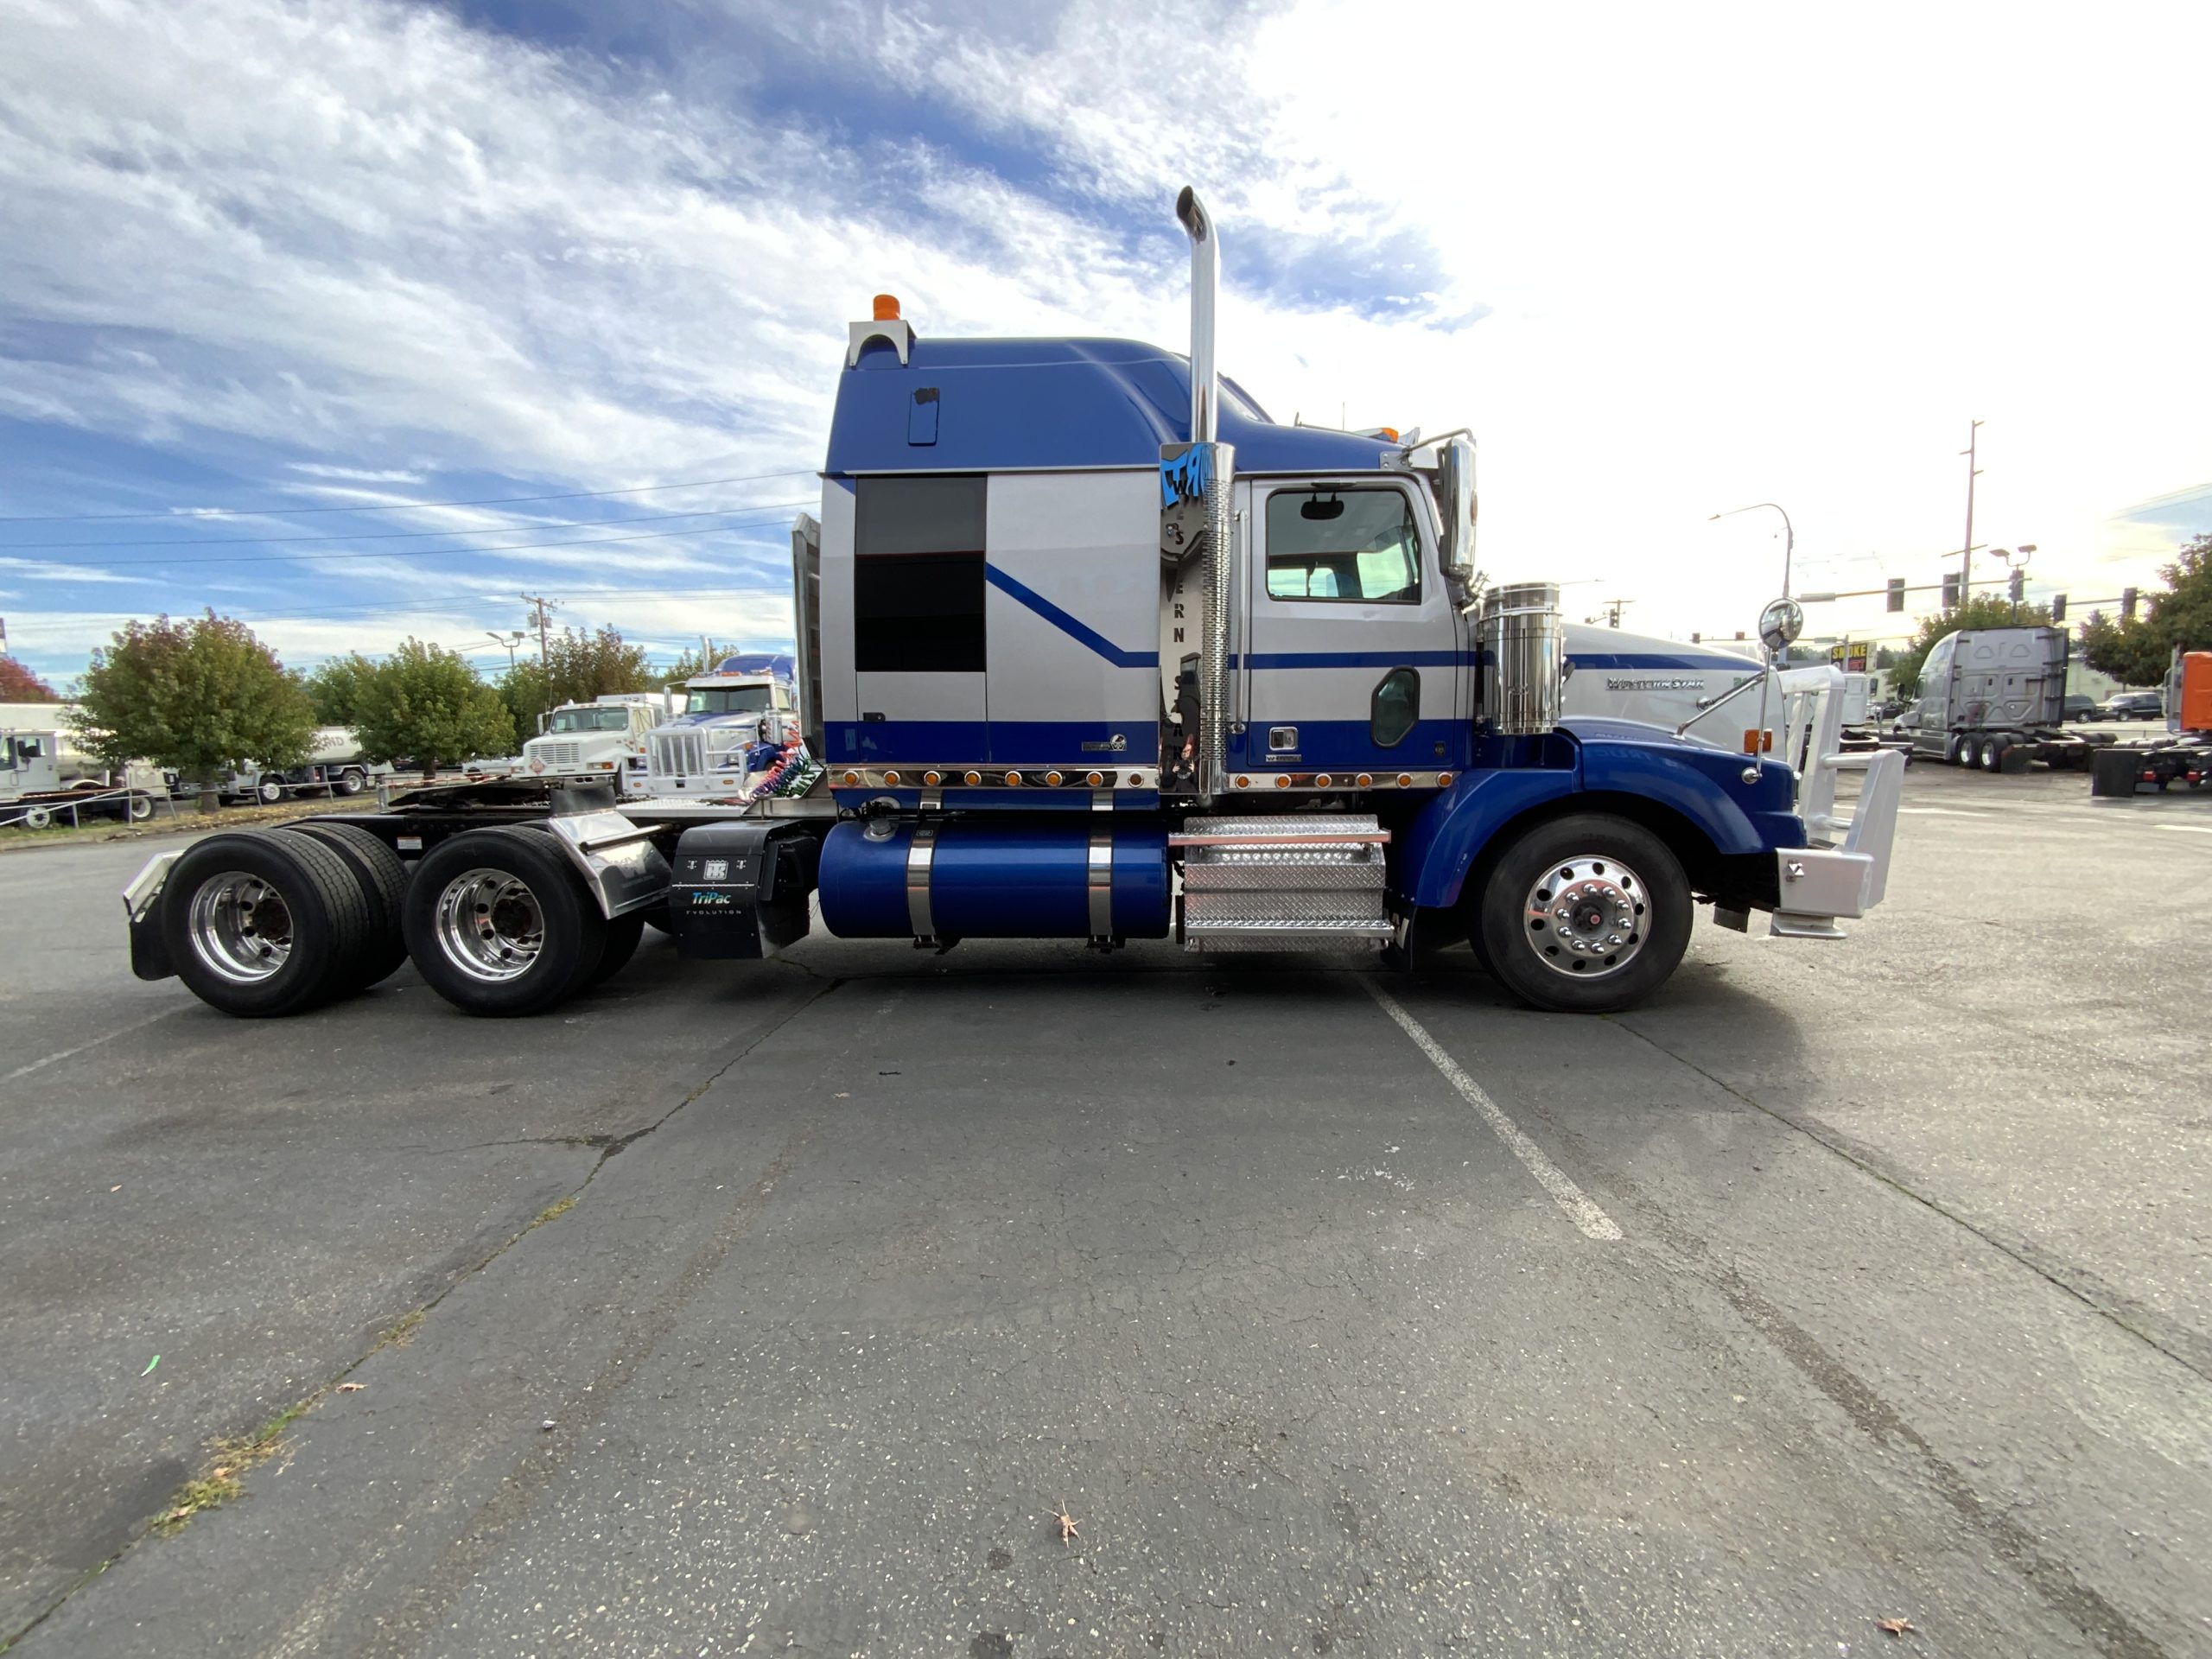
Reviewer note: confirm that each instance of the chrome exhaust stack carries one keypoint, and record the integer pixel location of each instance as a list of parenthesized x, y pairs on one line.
[(1523, 639), (1196, 520)]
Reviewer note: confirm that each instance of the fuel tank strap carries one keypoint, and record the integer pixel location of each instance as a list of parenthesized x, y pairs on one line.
[(1099, 873), (919, 854)]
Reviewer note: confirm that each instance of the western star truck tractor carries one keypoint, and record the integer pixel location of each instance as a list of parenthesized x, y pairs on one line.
[(739, 724), (1090, 648)]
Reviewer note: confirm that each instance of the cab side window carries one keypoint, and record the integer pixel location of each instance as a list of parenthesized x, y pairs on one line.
[(1358, 545)]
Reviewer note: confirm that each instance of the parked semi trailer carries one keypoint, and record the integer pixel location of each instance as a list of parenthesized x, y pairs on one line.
[(1090, 648)]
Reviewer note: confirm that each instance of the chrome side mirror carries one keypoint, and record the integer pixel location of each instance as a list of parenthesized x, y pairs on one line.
[(1456, 507), (1780, 623)]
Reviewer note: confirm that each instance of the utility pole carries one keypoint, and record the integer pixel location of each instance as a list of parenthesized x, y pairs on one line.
[(1966, 551), (544, 666)]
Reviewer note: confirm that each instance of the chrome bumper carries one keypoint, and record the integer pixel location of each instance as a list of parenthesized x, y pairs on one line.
[(1819, 883)]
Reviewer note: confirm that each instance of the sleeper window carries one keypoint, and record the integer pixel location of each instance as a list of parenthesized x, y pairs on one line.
[(918, 574), (1347, 544)]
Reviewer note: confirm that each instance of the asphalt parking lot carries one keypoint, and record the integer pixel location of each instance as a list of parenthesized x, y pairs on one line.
[(778, 1307)]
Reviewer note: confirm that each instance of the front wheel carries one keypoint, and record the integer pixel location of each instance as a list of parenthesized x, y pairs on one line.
[(351, 783), (270, 790), (1585, 914), (139, 808)]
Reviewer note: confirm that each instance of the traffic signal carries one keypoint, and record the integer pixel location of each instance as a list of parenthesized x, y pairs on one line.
[(2058, 607), (1896, 593), (1951, 592), (2016, 589), (2127, 604)]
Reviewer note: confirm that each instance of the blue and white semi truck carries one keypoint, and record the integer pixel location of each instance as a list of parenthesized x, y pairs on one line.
[(1090, 648)]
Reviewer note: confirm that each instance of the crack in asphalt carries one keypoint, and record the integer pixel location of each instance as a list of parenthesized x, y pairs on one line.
[(610, 1147), (2185, 1348)]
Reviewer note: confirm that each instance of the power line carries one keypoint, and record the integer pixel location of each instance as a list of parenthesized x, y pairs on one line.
[(397, 507), (376, 534), (435, 552)]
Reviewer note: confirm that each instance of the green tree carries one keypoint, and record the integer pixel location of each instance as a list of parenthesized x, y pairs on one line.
[(1981, 611), (700, 662), (19, 685), (336, 688), (424, 703), (579, 666), (199, 695), (2137, 652)]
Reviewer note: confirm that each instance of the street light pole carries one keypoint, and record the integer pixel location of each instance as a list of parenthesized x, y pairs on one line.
[(1789, 531), (1966, 551)]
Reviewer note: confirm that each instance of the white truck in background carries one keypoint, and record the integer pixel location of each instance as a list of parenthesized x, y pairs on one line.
[(46, 780), (604, 739), (334, 764)]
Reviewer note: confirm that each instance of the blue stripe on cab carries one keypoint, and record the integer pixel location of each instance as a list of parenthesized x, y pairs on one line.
[(1073, 626)]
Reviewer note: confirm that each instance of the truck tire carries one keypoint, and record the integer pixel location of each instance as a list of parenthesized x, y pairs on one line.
[(498, 923), (137, 808), (263, 924), (1584, 914), (1990, 756), (623, 933), (38, 817), (269, 792), (1961, 750), (383, 880), (351, 782)]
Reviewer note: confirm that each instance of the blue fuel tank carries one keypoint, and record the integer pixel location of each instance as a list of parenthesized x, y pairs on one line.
[(893, 879)]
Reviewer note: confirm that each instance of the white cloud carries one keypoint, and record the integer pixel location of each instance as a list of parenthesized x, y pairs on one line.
[(1726, 255)]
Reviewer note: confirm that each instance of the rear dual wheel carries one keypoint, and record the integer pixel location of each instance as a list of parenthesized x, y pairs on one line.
[(499, 924), (259, 925)]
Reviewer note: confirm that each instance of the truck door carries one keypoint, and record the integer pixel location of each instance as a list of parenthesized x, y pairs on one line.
[(1932, 735), (1351, 655)]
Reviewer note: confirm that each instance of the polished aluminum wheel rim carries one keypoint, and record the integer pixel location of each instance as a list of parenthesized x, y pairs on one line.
[(1587, 916), (490, 925), (241, 927)]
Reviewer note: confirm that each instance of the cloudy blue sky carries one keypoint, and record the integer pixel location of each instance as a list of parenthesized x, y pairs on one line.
[(272, 276)]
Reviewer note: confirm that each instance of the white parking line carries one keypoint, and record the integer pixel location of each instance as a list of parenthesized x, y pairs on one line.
[(2186, 828), (39, 1065), (1945, 813), (1593, 1222)]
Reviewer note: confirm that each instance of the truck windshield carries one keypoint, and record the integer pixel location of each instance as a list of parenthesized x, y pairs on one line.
[(589, 720), (728, 700)]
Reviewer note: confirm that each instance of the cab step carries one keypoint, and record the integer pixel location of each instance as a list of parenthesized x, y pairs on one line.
[(1295, 882)]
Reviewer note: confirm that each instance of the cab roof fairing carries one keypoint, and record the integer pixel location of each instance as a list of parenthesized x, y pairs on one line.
[(1071, 404)]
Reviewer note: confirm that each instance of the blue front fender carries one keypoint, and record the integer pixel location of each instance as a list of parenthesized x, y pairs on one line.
[(1700, 784)]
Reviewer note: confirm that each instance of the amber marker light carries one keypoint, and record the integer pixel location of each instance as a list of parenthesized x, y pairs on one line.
[(1094, 778), (1443, 780), (1365, 779), (1053, 778), (1012, 779), (972, 777), (886, 307), (891, 779), (932, 779), (1322, 781), (1283, 781), (852, 777), (1405, 780)]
